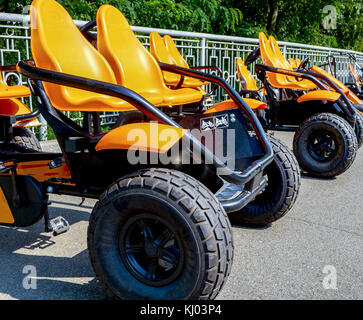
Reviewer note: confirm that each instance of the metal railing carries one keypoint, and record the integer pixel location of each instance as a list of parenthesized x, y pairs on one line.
[(199, 49)]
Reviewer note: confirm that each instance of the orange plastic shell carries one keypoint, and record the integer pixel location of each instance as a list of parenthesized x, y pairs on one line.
[(230, 104), (5, 213), (134, 67), (146, 136), (58, 45), (319, 95)]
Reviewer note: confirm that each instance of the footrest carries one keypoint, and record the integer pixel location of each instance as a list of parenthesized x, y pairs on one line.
[(58, 225)]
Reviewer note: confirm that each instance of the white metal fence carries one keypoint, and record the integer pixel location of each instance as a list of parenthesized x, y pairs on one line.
[(198, 48)]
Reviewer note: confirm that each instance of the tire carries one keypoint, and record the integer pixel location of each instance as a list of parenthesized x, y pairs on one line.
[(26, 138), (325, 145), (190, 212), (279, 196), (358, 128)]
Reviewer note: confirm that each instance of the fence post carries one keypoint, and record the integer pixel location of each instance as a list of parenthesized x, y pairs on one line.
[(203, 52), (43, 129)]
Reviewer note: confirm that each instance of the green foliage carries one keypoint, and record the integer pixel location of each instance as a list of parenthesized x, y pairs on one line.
[(297, 21)]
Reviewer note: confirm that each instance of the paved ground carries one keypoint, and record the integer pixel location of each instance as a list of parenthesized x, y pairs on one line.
[(283, 261)]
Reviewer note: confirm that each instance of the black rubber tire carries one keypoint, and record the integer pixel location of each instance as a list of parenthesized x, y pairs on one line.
[(347, 145), (281, 193), (26, 138), (198, 218), (358, 128)]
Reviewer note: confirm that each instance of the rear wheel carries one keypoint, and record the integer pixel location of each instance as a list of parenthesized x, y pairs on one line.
[(283, 176), (26, 138), (325, 145), (160, 234)]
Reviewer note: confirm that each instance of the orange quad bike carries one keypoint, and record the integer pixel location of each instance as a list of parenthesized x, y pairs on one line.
[(271, 204), (354, 100), (327, 125), (11, 105), (159, 229)]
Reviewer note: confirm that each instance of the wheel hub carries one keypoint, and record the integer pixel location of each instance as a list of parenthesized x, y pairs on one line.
[(322, 146), (151, 250)]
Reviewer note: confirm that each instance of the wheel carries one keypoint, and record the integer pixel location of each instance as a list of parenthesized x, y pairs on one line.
[(358, 128), (26, 138), (160, 234), (283, 176), (325, 145)]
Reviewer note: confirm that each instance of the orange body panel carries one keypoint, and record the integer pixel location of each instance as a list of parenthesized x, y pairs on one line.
[(134, 67), (319, 95), (222, 106), (230, 104), (40, 170), (147, 136), (351, 96), (5, 213)]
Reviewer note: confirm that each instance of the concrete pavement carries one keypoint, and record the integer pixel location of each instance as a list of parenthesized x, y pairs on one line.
[(287, 260)]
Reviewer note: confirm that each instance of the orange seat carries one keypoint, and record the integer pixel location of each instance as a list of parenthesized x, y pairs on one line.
[(306, 84), (181, 62), (245, 76), (7, 92), (293, 63), (279, 80), (174, 52), (134, 67), (161, 54), (58, 45), (11, 106)]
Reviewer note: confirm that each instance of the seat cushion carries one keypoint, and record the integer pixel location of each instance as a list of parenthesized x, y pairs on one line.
[(181, 96)]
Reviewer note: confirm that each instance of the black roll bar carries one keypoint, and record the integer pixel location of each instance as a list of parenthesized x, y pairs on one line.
[(154, 113), (313, 77)]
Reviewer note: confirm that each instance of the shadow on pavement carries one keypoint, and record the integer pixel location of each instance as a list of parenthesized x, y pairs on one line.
[(59, 277), (306, 176)]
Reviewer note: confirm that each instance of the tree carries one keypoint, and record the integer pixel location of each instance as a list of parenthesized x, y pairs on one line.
[(296, 21), (273, 11)]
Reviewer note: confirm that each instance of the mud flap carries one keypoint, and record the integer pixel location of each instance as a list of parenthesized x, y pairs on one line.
[(30, 205)]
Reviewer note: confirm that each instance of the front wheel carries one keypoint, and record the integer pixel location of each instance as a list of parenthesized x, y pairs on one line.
[(160, 234), (325, 145), (283, 177)]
